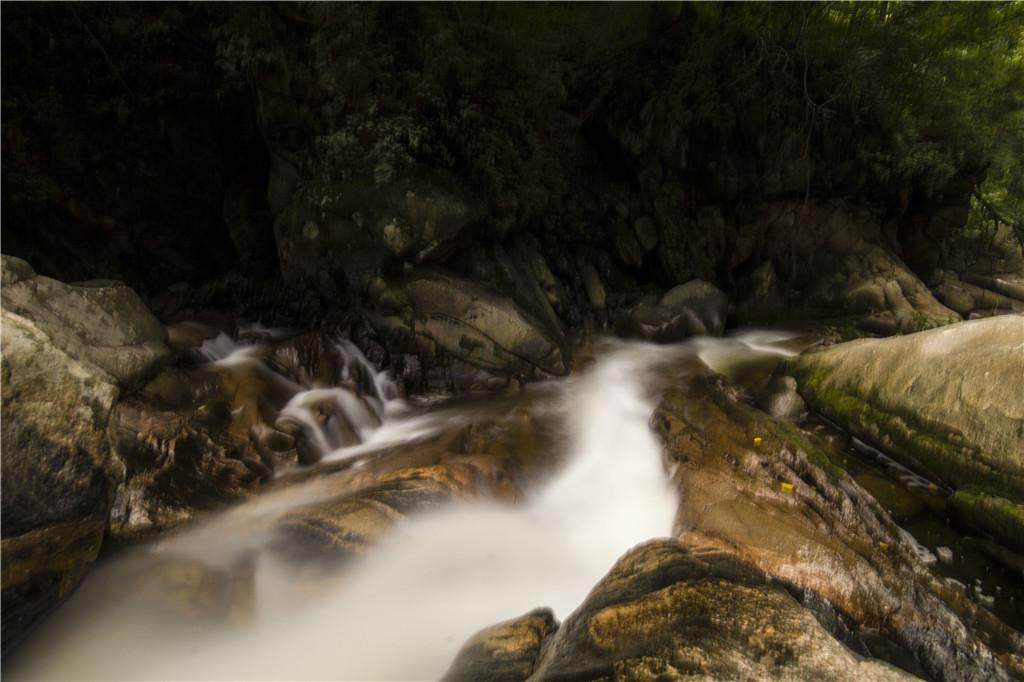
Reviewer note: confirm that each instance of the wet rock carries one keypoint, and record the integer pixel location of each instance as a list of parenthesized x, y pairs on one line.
[(666, 612), (505, 652), (59, 473), (374, 500), (101, 322), (179, 463), (773, 496), (781, 400), (1008, 285), (897, 393)]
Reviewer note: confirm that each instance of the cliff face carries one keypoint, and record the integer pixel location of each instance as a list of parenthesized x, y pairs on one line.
[(543, 172)]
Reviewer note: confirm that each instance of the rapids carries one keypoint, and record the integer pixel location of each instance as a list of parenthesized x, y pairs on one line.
[(403, 610)]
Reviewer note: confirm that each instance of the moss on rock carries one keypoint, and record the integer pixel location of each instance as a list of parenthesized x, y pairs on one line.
[(943, 401), (991, 513)]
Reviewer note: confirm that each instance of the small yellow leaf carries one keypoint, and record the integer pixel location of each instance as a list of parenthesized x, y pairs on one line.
[(757, 440), (883, 545), (786, 486)]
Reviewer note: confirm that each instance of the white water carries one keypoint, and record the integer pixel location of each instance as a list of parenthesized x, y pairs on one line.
[(404, 611)]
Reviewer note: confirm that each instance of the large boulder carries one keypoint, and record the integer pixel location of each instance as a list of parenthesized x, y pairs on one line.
[(504, 652), (947, 402), (59, 473), (691, 309), (101, 322), (481, 327), (665, 612), (878, 290), (67, 352)]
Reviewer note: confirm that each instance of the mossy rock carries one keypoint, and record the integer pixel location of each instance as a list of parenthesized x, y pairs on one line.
[(946, 402), (992, 514)]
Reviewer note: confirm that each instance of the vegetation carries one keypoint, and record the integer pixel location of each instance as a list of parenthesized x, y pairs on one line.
[(486, 90), (928, 98)]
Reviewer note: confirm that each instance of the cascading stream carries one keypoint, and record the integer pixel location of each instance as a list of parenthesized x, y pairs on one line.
[(403, 610)]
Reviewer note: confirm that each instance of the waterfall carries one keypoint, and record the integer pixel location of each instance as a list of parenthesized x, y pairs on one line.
[(403, 610)]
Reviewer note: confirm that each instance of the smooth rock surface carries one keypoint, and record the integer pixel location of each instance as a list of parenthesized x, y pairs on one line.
[(480, 326), (101, 322), (946, 401)]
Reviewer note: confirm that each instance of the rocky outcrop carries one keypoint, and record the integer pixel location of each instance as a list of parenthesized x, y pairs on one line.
[(991, 513), (67, 352), (880, 293), (777, 497), (102, 323), (59, 473), (662, 612), (945, 402), (93, 442), (469, 329), (980, 296), (506, 652), (346, 525), (690, 309)]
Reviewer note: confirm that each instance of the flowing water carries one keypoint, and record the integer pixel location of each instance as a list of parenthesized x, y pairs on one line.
[(403, 610)]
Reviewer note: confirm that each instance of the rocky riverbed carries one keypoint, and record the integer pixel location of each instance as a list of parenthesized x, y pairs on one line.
[(718, 507)]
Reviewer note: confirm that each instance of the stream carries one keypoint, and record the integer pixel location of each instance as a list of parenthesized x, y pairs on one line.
[(403, 609)]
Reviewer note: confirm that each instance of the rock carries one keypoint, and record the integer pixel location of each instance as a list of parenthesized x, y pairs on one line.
[(1010, 285), (690, 309), (178, 463), (505, 652), (342, 234), (596, 295), (994, 515), (482, 327), (781, 400), (103, 323), (761, 299), (59, 473), (976, 293), (898, 394), (646, 232), (371, 502), (772, 496), (878, 289), (628, 248), (666, 612), (706, 302), (14, 270)]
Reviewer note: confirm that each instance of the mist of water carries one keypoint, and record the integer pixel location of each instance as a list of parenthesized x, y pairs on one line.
[(404, 610)]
